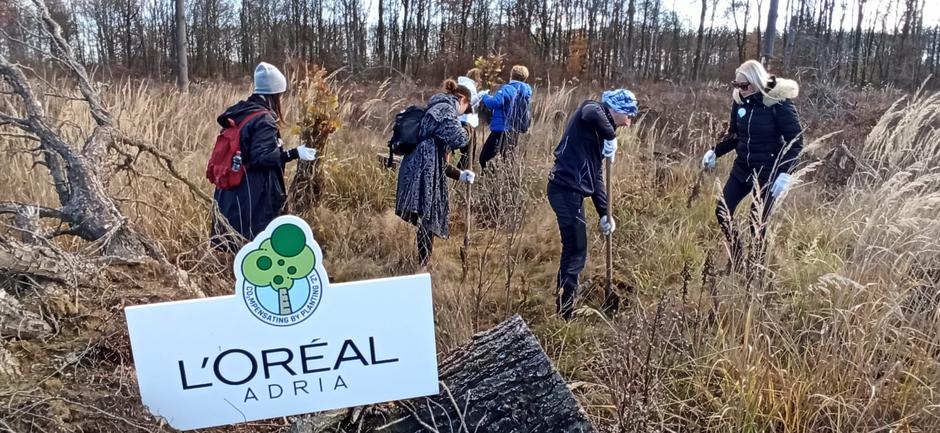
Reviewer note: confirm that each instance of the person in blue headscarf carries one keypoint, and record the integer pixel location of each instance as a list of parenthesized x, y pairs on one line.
[(589, 138)]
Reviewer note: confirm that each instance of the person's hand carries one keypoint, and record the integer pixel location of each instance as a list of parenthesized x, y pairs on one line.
[(607, 225), (306, 153), (710, 159), (780, 185), (610, 149), (470, 119), (467, 176)]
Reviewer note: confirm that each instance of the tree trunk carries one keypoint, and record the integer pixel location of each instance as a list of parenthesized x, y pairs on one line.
[(770, 35), (697, 63), (182, 69), (500, 382), (380, 35), (631, 11), (283, 301)]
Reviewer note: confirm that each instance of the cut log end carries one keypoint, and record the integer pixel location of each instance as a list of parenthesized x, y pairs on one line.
[(500, 382)]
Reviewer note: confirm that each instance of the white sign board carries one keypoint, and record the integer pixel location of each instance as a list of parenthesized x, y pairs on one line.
[(288, 342)]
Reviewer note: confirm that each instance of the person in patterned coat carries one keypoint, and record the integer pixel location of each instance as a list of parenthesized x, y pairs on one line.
[(421, 197)]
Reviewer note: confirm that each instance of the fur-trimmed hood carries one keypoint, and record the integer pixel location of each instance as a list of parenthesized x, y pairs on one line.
[(778, 89)]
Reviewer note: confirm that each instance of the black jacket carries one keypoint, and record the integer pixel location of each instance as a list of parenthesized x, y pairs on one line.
[(765, 132), (255, 202), (578, 158)]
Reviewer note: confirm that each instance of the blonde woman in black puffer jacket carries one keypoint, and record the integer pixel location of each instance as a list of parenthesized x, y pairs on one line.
[(766, 134)]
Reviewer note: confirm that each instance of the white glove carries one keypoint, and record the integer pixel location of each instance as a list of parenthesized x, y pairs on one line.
[(780, 185), (467, 176), (306, 153), (708, 162), (608, 225), (610, 149), (470, 119)]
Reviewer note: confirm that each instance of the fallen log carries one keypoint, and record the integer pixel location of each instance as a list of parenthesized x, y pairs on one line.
[(500, 382), (17, 322)]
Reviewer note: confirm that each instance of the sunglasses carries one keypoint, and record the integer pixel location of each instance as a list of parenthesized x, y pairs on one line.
[(741, 86)]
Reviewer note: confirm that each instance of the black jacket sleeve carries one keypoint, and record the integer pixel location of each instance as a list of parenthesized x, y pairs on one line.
[(788, 123), (264, 150), (600, 194), (594, 116), (730, 139)]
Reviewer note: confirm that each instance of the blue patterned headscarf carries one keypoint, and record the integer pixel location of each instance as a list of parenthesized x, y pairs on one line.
[(621, 101)]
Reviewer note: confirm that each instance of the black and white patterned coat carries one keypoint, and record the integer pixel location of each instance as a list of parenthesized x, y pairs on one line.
[(421, 197)]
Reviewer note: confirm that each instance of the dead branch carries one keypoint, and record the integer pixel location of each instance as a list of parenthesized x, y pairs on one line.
[(54, 32), (16, 135), (9, 207), (167, 162), (86, 205)]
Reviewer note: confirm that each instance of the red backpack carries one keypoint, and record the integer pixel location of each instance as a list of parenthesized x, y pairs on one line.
[(225, 169)]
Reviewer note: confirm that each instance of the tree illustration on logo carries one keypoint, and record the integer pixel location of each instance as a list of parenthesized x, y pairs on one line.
[(279, 262)]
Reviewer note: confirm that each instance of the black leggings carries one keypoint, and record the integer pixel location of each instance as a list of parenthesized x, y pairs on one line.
[(498, 143), (734, 192), (425, 243)]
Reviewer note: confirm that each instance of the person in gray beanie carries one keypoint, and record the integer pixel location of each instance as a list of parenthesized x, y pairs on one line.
[(259, 198)]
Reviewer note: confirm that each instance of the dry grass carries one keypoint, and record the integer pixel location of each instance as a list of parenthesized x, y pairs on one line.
[(841, 335)]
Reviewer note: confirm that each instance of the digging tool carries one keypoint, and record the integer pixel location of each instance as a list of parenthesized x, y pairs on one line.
[(465, 248), (611, 299)]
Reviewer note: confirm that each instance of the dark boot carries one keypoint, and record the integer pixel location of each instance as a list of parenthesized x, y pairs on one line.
[(565, 301)]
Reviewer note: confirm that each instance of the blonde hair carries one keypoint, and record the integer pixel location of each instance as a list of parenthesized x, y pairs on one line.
[(519, 73), (755, 74), (774, 89), (475, 74)]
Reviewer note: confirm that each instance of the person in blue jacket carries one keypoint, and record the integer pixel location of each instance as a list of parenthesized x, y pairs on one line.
[(260, 197), (508, 105), (766, 134), (589, 138)]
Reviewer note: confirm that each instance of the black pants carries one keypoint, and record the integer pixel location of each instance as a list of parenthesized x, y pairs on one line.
[(734, 192), (498, 143), (569, 209), (425, 243)]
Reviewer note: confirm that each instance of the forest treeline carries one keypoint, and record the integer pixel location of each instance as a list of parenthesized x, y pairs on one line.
[(837, 41)]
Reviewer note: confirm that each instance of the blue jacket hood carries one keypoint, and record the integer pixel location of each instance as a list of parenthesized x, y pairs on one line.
[(523, 87)]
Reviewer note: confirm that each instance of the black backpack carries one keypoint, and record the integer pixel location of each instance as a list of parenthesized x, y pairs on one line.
[(406, 132), (520, 118)]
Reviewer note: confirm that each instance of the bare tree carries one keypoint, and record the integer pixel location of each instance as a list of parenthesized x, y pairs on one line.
[(425, 39), (182, 69), (697, 63), (740, 29), (770, 35), (857, 44)]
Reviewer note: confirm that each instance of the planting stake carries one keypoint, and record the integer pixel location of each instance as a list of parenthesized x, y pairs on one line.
[(611, 299), (465, 249)]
